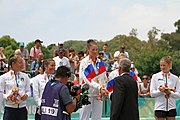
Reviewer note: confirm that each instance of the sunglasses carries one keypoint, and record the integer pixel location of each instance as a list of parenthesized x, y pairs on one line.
[(144, 78)]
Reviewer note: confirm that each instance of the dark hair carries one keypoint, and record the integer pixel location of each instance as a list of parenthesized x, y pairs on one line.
[(105, 44), (46, 63), (81, 53), (71, 50), (91, 42), (14, 59), (63, 71), (146, 76)]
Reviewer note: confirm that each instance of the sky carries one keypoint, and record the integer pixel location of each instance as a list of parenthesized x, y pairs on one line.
[(56, 21)]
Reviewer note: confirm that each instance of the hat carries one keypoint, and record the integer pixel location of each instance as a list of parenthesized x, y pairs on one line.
[(132, 66), (60, 44), (116, 54), (37, 40), (21, 44)]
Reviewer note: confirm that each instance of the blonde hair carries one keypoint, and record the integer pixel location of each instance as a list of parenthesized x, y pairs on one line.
[(122, 55), (168, 60)]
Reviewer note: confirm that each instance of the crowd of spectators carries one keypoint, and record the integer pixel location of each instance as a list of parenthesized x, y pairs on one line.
[(33, 61), (40, 69)]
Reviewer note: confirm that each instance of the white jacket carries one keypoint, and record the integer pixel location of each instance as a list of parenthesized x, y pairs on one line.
[(160, 100), (8, 81), (38, 83), (97, 81)]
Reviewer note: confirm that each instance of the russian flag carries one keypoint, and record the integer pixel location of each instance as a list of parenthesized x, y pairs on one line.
[(90, 72), (133, 75), (110, 84)]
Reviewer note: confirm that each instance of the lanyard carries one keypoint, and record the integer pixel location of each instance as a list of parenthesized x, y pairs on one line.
[(17, 79), (97, 68)]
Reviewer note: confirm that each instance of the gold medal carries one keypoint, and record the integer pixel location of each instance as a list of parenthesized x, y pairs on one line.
[(97, 80)]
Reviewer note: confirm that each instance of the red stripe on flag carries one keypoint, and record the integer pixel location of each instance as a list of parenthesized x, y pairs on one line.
[(110, 89), (102, 69), (91, 76)]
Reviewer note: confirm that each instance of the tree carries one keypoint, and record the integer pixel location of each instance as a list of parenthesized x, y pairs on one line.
[(173, 40), (133, 32), (148, 62), (177, 24), (153, 33), (9, 44)]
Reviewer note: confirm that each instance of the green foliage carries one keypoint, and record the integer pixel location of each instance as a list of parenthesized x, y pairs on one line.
[(148, 62), (176, 63), (47, 53), (177, 24), (77, 45), (173, 40), (133, 32), (9, 44)]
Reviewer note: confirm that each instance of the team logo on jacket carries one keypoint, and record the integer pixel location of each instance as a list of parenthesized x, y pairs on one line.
[(56, 101)]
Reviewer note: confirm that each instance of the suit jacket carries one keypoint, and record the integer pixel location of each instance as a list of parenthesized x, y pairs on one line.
[(124, 105)]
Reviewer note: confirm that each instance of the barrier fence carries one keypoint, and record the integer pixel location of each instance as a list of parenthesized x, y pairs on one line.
[(146, 112)]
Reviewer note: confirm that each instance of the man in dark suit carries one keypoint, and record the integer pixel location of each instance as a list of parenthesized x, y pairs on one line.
[(124, 98)]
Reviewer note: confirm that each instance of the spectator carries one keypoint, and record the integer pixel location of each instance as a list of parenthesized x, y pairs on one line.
[(77, 63), (165, 88), (101, 57), (2, 56), (36, 64), (61, 60), (24, 53), (2, 64), (117, 56), (18, 53), (108, 59), (124, 105), (56, 97), (132, 74), (93, 72), (39, 83), (122, 50), (144, 87), (72, 59), (15, 105), (56, 50), (1, 98), (35, 50)]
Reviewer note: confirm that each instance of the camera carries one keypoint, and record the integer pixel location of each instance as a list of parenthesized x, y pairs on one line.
[(79, 90)]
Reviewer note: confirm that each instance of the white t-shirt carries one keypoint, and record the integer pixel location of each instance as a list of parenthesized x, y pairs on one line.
[(61, 62)]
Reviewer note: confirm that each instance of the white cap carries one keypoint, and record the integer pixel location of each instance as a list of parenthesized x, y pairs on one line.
[(116, 54), (132, 66)]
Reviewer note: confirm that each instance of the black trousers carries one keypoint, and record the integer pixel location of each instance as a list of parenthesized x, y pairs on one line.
[(15, 113), (37, 115)]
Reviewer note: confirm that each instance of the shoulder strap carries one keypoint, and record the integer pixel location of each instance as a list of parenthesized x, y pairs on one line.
[(34, 51)]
